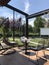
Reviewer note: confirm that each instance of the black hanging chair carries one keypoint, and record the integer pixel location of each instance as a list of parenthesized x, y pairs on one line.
[(12, 44), (8, 44)]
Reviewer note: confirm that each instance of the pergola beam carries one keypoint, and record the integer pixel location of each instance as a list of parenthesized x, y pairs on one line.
[(21, 12), (38, 14), (26, 33), (15, 9)]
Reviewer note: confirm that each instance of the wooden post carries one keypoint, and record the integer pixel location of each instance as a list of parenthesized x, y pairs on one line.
[(13, 24), (26, 31)]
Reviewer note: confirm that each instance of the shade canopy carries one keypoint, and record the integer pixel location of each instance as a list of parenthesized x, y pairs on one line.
[(24, 12), (5, 3)]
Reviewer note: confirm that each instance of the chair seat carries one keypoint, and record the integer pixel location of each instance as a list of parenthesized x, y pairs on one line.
[(47, 49), (12, 43), (37, 48)]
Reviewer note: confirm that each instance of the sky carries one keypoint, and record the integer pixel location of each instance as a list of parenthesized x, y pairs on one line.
[(28, 6)]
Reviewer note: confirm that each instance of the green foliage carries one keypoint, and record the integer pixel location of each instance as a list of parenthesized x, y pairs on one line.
[(30, 28), (2, 18), (47, 24), (39, 23), (17, 40), (35, 41), (5, 29), (1, 27)]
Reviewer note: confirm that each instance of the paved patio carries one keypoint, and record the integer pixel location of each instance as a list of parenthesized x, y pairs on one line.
[(19, 58)]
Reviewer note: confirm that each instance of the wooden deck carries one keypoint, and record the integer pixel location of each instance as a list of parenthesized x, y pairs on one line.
[(19, 58)]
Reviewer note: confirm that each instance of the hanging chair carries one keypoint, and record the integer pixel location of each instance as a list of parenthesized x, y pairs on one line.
[(13, 44)]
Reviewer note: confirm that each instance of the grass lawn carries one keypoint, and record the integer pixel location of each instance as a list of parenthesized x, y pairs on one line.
[(36, 40), (17, 40)]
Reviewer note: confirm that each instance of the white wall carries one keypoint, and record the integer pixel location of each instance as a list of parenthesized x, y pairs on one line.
[(44, 31)]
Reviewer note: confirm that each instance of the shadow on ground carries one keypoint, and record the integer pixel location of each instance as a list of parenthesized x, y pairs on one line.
[(18, 59)]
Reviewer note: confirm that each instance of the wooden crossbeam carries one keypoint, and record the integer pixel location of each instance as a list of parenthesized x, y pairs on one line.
[(15, 9), (38, 14)]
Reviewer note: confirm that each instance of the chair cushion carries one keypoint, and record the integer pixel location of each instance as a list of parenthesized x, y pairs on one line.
[(38, 48)]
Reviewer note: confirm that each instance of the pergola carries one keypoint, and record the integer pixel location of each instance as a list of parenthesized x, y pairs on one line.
[(27, 16)]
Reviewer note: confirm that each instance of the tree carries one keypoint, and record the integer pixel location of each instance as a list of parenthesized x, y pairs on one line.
[(30, 28), (1, 22), (5, 28), (39, 23), (2, 18), (47, 23)]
